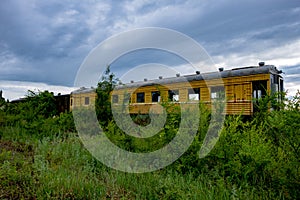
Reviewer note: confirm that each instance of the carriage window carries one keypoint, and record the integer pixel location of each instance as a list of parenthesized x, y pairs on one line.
[(140, 97), (155, 96), (256, 94), (281, 88), (194, 94), (259, 89), (115, 98), (86, 101), (217, 92), (173, 95), (127, 98)]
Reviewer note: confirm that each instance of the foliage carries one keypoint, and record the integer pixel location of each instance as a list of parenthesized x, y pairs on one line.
[(2, 100), (37, 115), (256, 157), (103, 101), (294, 103), (34, 106)]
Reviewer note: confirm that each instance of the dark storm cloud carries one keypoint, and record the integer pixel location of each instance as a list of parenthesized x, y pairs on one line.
[(29, 32), (292, 78), (293, 70), (44, 41), (47, 41), (232, 26)]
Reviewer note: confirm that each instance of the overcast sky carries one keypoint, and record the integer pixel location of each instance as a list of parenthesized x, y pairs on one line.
[(43, 43)]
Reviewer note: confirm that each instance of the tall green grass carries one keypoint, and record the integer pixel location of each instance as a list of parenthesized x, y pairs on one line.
[(61, 168), (43, 158)]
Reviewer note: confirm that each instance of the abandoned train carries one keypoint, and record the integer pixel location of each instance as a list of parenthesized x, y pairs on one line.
[(240, 87)]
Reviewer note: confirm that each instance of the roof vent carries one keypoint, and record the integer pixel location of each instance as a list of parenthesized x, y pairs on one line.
[(221, 69), (160, 77), (261, 64), (131, 81), (197, 72), (145, 79), (177, 75)]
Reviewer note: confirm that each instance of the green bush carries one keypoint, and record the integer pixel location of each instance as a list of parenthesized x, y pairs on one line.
[(255, 157)]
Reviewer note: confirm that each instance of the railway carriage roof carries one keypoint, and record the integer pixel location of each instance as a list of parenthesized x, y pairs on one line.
[(83, 90), (244, 71)]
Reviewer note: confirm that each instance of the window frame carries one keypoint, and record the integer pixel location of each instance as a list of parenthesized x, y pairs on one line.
[(126, 96), (172, 93), (142, 99), (115, 98), (194, 91), (219, 92), (156, 98), (86, 101)]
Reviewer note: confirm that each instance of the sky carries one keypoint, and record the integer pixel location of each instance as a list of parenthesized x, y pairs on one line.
[(44, 43)]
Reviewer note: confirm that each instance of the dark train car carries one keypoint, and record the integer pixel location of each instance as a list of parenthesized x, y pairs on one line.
[(62, 103)]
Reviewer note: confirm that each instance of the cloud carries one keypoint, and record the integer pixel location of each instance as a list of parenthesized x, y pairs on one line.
[(16, 89), (46, 41), (282, 55), (42, 39)]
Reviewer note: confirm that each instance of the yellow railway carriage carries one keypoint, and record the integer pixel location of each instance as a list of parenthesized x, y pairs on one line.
[(82, 97), (240, 87)]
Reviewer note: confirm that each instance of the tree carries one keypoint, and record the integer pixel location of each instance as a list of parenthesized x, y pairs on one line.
[(44, 103), (2, 100), (103, 103)]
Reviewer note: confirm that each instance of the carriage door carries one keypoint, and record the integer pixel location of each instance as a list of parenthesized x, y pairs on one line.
[(259, 90)]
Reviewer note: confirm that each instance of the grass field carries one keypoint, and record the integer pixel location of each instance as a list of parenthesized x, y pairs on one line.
[(61, 168), (42, 157)]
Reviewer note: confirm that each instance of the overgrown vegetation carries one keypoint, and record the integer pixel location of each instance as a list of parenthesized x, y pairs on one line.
[(104, 88), (42, 157)]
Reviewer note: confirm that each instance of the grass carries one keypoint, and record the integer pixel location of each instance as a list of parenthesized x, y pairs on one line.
[(257, 158), (61, 168)]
